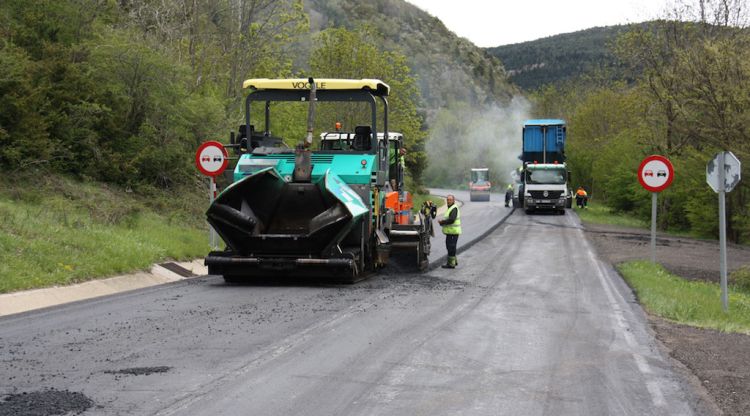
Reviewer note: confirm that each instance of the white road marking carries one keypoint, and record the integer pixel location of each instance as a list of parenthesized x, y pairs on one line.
[(657, 397)]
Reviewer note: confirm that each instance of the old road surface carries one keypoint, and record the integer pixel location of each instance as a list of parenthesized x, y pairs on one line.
[(531, 323)]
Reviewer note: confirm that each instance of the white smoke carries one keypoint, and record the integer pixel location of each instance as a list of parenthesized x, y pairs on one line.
[(464, 137)]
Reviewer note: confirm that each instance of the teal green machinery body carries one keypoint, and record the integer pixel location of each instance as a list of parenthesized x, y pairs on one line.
[(349, 167)]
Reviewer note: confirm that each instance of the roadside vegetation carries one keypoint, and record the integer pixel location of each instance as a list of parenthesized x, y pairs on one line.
[(124, 92), (58, 231), (598, 213), (696, 303), (684, 94), (111, 99)]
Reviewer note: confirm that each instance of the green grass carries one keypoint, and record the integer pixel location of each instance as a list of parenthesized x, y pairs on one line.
[(600, 214), (419, 199), (61, 232), (695, 303)]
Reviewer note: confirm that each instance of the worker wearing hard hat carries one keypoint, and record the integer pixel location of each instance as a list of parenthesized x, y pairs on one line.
[(451, 224)]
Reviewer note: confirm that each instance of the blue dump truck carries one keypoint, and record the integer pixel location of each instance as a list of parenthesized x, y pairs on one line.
[(333, 210), (544, 176)]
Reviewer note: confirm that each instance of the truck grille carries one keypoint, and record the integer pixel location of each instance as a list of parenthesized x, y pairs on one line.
[(550, 194)]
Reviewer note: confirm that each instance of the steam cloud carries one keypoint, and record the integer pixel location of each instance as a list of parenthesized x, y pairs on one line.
[(465, 137)]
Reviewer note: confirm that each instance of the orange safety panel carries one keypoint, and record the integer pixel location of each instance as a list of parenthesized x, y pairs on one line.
[(391, 201), (401, 209)]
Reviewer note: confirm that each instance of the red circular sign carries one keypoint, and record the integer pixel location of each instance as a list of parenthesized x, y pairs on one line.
[(211, 158), (655, 173)]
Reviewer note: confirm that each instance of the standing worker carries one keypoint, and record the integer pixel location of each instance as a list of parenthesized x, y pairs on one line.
[(582, 197), (396, 167), (508, 194), (451, 224)]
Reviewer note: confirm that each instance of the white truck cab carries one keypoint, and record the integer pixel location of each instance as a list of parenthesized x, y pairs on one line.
[(545, 186)]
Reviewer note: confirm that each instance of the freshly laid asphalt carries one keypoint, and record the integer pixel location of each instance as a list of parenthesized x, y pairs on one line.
[(532, 322)]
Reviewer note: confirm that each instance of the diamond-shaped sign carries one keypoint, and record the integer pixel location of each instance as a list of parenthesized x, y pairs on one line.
[(732, 168)]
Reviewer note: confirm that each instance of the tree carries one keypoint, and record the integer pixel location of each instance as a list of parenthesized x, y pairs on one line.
[(223, 41), (23, 131), (341, 53)]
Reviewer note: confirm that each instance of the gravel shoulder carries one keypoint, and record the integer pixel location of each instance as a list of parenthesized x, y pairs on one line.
[(720, 361)]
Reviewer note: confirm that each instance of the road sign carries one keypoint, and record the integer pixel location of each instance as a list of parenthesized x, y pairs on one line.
[(211, 158), (732, 168), (722, 175), (655, 173)]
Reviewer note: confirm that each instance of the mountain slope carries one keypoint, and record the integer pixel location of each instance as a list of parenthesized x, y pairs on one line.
[(554, 59), (448, 67)]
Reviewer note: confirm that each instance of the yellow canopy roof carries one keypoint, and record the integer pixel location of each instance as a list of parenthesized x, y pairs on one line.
[(377, 86)]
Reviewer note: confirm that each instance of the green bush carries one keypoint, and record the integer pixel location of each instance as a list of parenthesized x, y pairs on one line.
[(741, 278)]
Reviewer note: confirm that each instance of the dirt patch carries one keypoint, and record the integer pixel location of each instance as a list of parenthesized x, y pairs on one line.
[(690, 258), (720, 361), (45, 403)]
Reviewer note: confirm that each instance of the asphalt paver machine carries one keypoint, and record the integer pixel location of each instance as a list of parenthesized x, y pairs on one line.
[(330, 213)]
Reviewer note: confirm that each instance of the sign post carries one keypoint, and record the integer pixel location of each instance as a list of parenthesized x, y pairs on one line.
[(655, 174), (212, 237), (722, 175), (211, 159)]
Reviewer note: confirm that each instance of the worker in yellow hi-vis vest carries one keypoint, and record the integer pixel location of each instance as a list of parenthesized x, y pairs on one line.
[(451, 224)]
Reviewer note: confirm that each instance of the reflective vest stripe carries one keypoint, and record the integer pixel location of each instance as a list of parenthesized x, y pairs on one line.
[(454, 228)]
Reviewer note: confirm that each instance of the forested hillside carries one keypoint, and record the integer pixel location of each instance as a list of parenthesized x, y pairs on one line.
[(123, 92), (448, 68), (689, 99), (555, 59)]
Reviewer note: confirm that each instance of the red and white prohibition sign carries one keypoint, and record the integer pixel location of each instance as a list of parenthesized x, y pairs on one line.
[(211, 158), (655, 173)]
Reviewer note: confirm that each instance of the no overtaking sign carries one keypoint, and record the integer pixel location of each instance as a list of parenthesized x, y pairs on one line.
[(211, 158), (655, 173)]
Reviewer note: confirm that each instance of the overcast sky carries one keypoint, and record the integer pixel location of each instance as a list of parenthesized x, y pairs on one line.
[(497, 22)]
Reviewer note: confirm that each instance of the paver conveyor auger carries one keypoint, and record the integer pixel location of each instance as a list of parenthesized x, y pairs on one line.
[(329, 213)]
